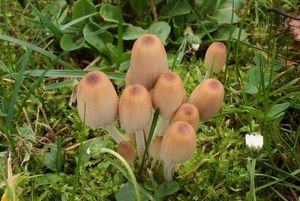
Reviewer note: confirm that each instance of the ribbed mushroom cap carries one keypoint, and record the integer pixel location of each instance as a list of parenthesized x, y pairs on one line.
[(188, 113), (127, 78), (135, 108), (97, 100), (126, 150), (168, 93), (148, 60), (208, 98), (154, 148), (178, 143), (215, 57)]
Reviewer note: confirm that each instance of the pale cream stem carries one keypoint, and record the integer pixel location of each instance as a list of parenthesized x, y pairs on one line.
[(140, 143), (115, 133)]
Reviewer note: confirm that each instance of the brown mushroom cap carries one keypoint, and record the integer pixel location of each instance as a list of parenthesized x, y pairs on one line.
[(208, 98), (188, 113), (178, 143), (135, 108), (126, 150), (97, 100), (215, 57), (148, 60), (168, 93), (154, 148)]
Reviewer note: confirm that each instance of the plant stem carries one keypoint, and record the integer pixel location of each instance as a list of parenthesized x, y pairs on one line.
[(134, 182), (140, 143), (251, 168), (115, 134)]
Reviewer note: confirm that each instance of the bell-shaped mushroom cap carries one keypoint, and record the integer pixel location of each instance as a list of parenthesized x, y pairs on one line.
[(126, 150), (178, 143), (208, 98), (97, 100), (148, 60), (215, 57), (135, 108), (154, 148), (188, 113), (168, 93)]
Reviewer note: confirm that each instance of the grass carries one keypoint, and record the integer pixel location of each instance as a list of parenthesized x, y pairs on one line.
[(37, 78)]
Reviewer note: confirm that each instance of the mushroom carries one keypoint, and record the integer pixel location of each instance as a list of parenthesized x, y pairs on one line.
[(188, 113), (154, 150), (148, 60), (135, 111), (126, 150), (208, 98), (177, 146), (215, 58), (97, 103), (167, 95)]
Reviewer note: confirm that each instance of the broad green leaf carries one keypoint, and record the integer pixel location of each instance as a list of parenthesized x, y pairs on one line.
[(96, 36), (277, 109), (26, 132), (82, 8), (174, 8), (139, 6), (250, 88), (205, 7), (69, 42), (47, 178), (224, 16), (223, 33), (167, 188), (238, 4), (116, 56), (50, 158), (133, 32), (207, 26), (127, 193), (111, 13), (161, 29)]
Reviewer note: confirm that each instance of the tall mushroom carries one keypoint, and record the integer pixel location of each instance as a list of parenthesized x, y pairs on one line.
[(208, 98), (148, 60), (188, 113), (167, 95), (215, 58), (177, 146), (97, 103), (135, 110)]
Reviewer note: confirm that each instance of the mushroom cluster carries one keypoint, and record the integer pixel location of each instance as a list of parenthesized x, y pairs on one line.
[(149, 86)]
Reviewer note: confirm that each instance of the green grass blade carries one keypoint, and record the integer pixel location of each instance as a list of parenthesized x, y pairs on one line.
[(37, 49), (45, 21), (69, 24)]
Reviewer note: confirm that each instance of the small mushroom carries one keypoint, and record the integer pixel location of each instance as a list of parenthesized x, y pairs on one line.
[(215, 58), (177, 146), (97, 103), (167, 95), (208, 98), (126, 150), (154, 150), (188, 113), (148, 60), (135, 111)]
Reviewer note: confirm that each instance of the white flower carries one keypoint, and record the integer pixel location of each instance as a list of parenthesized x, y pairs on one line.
[(254, 140)]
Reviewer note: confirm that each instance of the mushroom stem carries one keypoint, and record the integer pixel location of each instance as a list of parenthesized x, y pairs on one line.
[(168, 171), (115, 133), (163, 125), (153, 163), (140, 143), (147, 129)]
